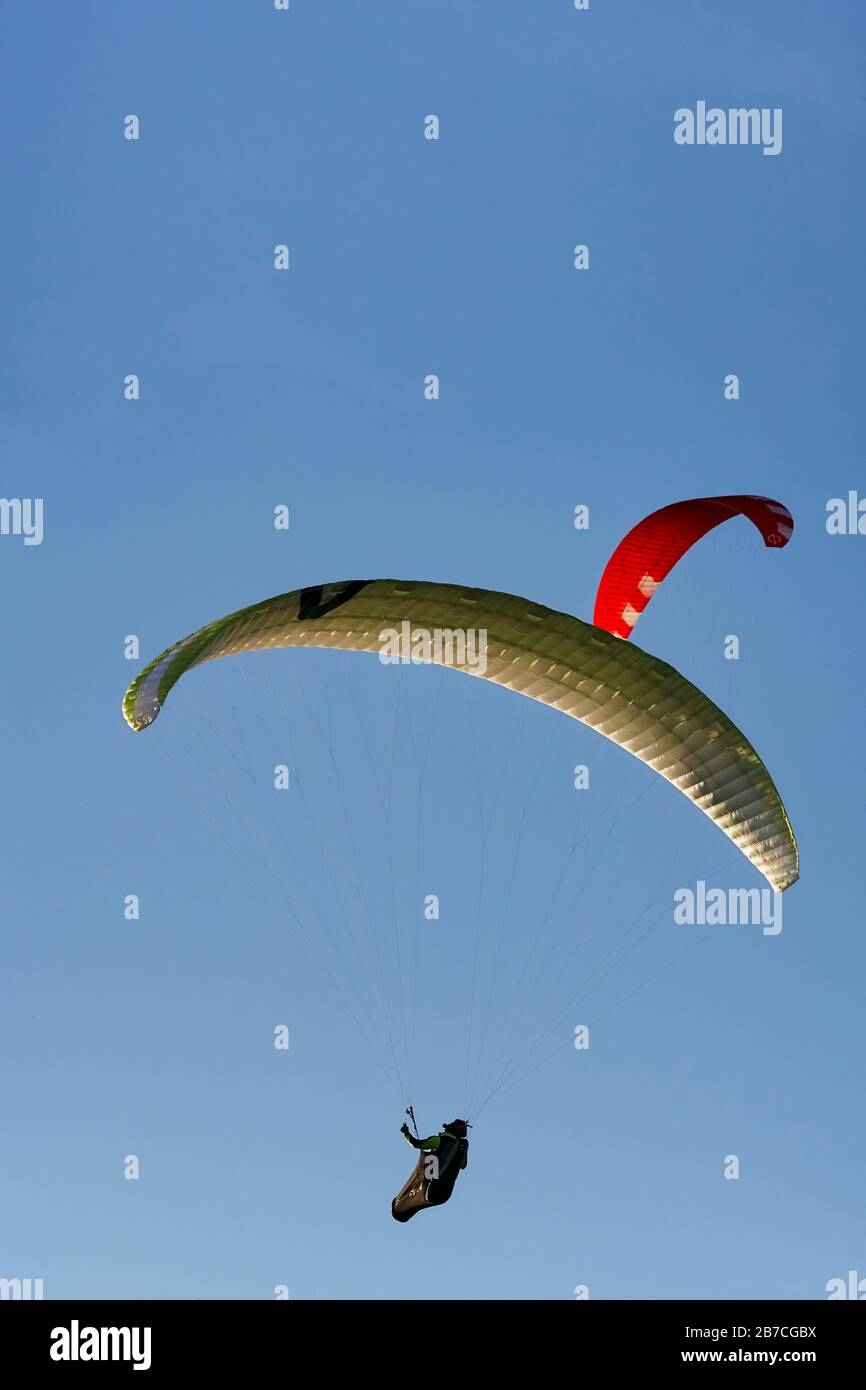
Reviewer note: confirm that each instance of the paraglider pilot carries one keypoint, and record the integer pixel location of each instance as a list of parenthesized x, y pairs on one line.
[(443, 1157)]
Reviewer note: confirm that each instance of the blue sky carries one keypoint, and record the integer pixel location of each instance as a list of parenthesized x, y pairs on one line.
[(305, 388)]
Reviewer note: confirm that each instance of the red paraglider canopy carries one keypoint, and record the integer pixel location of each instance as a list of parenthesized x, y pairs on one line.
[(644, 557)]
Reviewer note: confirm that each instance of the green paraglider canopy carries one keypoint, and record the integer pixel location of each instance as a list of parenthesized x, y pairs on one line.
[(639, 702)]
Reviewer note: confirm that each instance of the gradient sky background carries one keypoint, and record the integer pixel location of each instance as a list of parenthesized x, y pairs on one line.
[(558, 388)]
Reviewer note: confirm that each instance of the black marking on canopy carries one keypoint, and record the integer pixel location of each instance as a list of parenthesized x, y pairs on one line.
[(313, 605)]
